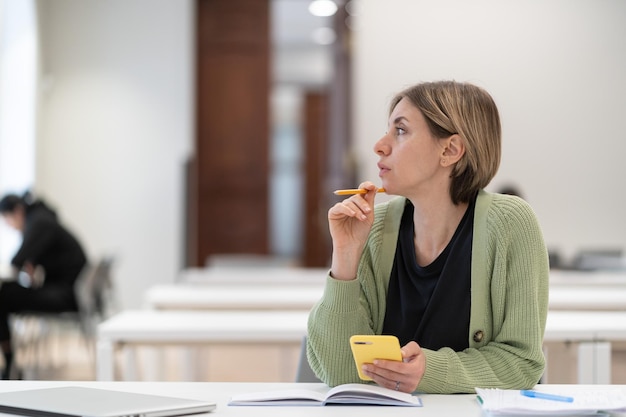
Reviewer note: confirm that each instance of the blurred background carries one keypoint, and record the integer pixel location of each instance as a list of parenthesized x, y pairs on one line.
[(172, 132)]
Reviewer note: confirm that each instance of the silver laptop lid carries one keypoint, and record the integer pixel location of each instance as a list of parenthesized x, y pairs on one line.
[(95, 402)]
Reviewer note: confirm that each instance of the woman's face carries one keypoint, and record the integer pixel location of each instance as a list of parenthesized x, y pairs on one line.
[(409, 155)]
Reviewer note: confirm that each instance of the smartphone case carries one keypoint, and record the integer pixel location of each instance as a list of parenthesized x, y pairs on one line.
[(366, 348)]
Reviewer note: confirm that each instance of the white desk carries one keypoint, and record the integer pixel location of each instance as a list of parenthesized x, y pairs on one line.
[(298, 288), (434, 405), (307, 276), (297, 275), (146, 327), (253, 276), (586, 326), (592, 329), (576, 297), (231, 297), (586, 279), (303, 297)]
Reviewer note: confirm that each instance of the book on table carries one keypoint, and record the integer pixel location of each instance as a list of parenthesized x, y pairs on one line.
[(553, 401), (356, 394)]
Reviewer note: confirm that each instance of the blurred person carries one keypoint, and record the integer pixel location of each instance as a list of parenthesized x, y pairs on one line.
[(510, 189), (458, 274), (50, 258)]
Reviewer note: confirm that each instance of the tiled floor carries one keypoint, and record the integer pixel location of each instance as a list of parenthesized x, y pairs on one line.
[(62, 354)]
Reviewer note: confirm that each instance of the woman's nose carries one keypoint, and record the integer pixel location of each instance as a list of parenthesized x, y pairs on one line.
[(381, 147)]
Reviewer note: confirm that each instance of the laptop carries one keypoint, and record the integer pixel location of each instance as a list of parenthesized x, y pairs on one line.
[(94, 402)]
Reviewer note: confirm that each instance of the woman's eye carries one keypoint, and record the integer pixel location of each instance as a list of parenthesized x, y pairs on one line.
[(400, 131)]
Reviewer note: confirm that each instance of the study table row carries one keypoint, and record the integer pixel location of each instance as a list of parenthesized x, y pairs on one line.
[(316, 276), (593, 331), (290, 292), (434, 405), (300, 288), (303, 297)]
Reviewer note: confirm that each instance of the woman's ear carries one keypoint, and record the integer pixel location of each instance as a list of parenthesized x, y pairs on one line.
[(453, 150)]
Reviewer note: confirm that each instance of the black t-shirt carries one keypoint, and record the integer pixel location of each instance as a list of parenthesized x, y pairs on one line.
[(431, 304)]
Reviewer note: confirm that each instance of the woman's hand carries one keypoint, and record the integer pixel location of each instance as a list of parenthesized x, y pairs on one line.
[(29, 268), (400, 376), (350, 222), (34, 275)]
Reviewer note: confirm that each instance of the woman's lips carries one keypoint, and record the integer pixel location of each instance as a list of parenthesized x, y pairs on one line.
[(382, 169)]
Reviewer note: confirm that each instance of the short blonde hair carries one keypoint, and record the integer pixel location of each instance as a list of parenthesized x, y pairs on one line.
[(451, 108)]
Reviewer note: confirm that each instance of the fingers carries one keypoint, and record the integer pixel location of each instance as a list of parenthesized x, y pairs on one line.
[(347, 209), (409, 351), (386, 377), (371, 188), (403, 376), (356, 206), (368, 185), (28, 268), (349, 223), (359, 205), (364, 202)]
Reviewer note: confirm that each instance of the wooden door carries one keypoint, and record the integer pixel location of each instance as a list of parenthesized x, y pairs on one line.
[(229, 201), (316, 240)]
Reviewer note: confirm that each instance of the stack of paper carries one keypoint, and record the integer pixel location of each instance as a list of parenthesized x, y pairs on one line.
[(551, 402)]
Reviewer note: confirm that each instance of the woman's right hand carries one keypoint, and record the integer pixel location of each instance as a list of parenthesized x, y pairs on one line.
[(350, 222)]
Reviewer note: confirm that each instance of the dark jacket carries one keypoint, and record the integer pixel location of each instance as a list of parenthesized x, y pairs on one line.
[(48, 244)]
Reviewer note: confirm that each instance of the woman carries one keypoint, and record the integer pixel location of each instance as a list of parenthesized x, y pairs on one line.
[(51, 257), (460, 275)]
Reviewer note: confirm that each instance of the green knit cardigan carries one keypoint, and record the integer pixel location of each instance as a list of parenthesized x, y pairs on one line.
[(509, 301)]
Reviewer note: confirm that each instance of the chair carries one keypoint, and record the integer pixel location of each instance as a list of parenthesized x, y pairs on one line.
[(33, 331), (95, 297), (304, 372), (599, 259)]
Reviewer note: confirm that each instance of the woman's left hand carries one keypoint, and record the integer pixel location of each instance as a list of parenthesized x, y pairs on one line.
[(400, 376)]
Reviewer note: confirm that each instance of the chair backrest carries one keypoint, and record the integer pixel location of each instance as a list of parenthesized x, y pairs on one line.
[(94, 291), (304, 372), (599, 259)]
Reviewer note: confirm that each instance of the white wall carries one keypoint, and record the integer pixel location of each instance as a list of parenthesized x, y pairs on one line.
[(116, 126), (18, 97), (556, 70)]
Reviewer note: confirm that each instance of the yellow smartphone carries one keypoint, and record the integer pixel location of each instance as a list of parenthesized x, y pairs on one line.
[(366, 348)]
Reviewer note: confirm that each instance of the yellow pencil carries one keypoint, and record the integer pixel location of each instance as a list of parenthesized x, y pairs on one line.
[(352, 191)]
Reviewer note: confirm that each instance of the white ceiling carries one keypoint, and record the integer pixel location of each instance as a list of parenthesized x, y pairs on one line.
[(292, 24), (297, 59)]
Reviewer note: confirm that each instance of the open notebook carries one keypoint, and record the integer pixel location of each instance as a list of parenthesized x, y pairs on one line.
[(94, 402)]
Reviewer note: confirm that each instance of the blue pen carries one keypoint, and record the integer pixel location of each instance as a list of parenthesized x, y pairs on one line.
[(545, 396)]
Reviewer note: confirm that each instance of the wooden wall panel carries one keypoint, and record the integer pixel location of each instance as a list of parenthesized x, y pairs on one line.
[(231, 194), (316, 245)]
